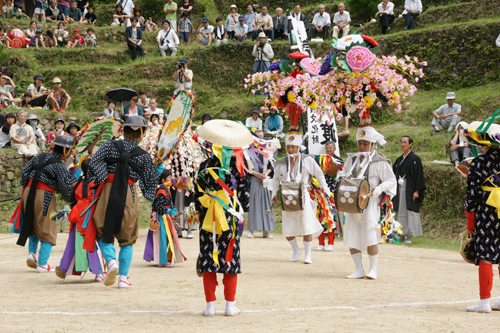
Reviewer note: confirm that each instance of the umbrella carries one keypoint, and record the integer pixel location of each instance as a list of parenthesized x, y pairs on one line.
[(226, 133), (120, 95)]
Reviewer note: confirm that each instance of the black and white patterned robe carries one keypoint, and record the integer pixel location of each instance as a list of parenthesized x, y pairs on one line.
[(207, 263), (487, 226)]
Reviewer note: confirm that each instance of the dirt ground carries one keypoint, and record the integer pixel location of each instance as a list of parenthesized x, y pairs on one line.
[(418, 290)]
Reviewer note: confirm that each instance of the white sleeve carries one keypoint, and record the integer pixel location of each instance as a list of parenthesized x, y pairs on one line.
[(315, 19), (388, 183), (274, 185), (348, 17), (497, 42)]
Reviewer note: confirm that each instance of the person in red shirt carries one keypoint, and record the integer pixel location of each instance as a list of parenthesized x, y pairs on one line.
[(56, 133), (77, 40)]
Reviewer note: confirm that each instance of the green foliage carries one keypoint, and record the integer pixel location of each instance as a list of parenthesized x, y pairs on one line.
[(364, 8)]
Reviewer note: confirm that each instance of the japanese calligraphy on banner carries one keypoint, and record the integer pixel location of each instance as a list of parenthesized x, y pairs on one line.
[(320, 129), (299, 30)]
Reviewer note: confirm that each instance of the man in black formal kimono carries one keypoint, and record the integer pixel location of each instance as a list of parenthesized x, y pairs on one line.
[(411, 190)]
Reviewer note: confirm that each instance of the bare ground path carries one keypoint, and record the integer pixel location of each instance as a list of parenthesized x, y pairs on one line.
[(418, 290)]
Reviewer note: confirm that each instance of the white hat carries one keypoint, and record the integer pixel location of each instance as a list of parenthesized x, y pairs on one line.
[(369, 134), (463, 124), (294, 140), (233, 6), (262, 34), (450, 95)]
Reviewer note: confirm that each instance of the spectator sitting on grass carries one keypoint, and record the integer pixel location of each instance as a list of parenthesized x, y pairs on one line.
[(299, 16), (241, 30), (249, 18), (18, 13), (7, 9), (10, 119), (50, 40), (120, 18), (321, 23), (386, 12), (134, 39), (31, 31), (74, 14), (53, 13), (37, 40), (61, 34), (280, 25), (59, 98), (77, 40), (39, 93), (22, 137), (111, 111), (90, 17), (25, 102), (4, 39), (341, 21), (413, 8), (7, 87), (63, 6), (140, 19), (90, 38), (448, 115), (185, 28), (263, 22), (220, 33), (167, 40), (204, 33), (150, 24), (82, 5)]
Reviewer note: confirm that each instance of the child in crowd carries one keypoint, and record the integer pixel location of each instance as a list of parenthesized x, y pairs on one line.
[(150, 25), (37, 40), (39, 137), (18, 13), (77, 40), (10, 119), (4, 39), (61, 34), (39, 12), (74, 130), (90, 17), (183, 28), (25, 102), (90, 38), (7, 9), (162, 243), (51, 41), (56, 133), (220, 33)]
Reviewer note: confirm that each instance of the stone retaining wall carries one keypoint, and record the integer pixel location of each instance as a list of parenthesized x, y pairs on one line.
[(11, 164)]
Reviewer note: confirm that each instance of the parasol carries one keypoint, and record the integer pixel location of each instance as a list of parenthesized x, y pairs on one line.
[(226, 133), (120, 96)]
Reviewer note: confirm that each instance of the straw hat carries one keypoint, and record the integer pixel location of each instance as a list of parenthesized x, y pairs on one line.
[(226, 133)]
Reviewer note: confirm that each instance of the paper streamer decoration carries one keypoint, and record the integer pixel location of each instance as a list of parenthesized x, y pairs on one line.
[(179, 115)]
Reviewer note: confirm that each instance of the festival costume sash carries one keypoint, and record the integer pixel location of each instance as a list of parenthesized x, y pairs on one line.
[(494, 197)]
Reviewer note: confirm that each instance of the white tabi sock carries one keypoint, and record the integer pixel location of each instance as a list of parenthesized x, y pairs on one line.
[(373, 262), (296, 250), (358, 262), (307, 247)]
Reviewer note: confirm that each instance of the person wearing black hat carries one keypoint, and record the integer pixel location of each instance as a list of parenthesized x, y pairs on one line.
[(42, 177), (205, 117), (116, 166), (10, 119), (39, 94), (59, 130), (73, 130), (39, 136), (254, 120)]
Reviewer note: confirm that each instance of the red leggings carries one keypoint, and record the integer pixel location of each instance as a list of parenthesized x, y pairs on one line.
[(230, 282), (485, 280), (331, 238)]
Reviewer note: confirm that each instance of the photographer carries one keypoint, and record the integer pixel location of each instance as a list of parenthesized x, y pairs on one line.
[(57, 132), (263, 23), (263, 54), (183, 77), (167, 40), (39, 93)]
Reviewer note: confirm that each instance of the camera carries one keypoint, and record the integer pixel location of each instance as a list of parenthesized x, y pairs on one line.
[(261, 45), (180, 66)]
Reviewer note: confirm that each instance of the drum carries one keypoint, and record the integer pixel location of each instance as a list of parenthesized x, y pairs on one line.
[(351, 195), (468, 247), (293, 196)]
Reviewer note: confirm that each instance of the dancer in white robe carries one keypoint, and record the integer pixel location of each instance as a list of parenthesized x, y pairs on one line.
[(302, 168), (362, 231)]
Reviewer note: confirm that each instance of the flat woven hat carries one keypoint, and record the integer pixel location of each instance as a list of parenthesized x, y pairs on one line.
[(226, 133), (486, 132)]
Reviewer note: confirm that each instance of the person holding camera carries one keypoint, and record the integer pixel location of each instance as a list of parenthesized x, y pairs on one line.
[(263, 23), (183, 77), (59, 130), (167, 40), (39, 94), (263, 54)]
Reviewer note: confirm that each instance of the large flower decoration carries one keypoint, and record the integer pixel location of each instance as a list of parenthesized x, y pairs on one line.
[(359, 58)]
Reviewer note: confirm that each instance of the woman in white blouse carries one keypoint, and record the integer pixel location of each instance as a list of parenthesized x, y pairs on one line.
[(22, 136), (254, 120)]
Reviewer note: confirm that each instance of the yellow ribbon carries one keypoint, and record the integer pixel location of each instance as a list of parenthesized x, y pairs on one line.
[(493, 198), (166, 225), (214, 209)]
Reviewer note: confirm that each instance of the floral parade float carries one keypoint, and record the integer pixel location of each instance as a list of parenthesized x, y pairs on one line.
[(351, 78)]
